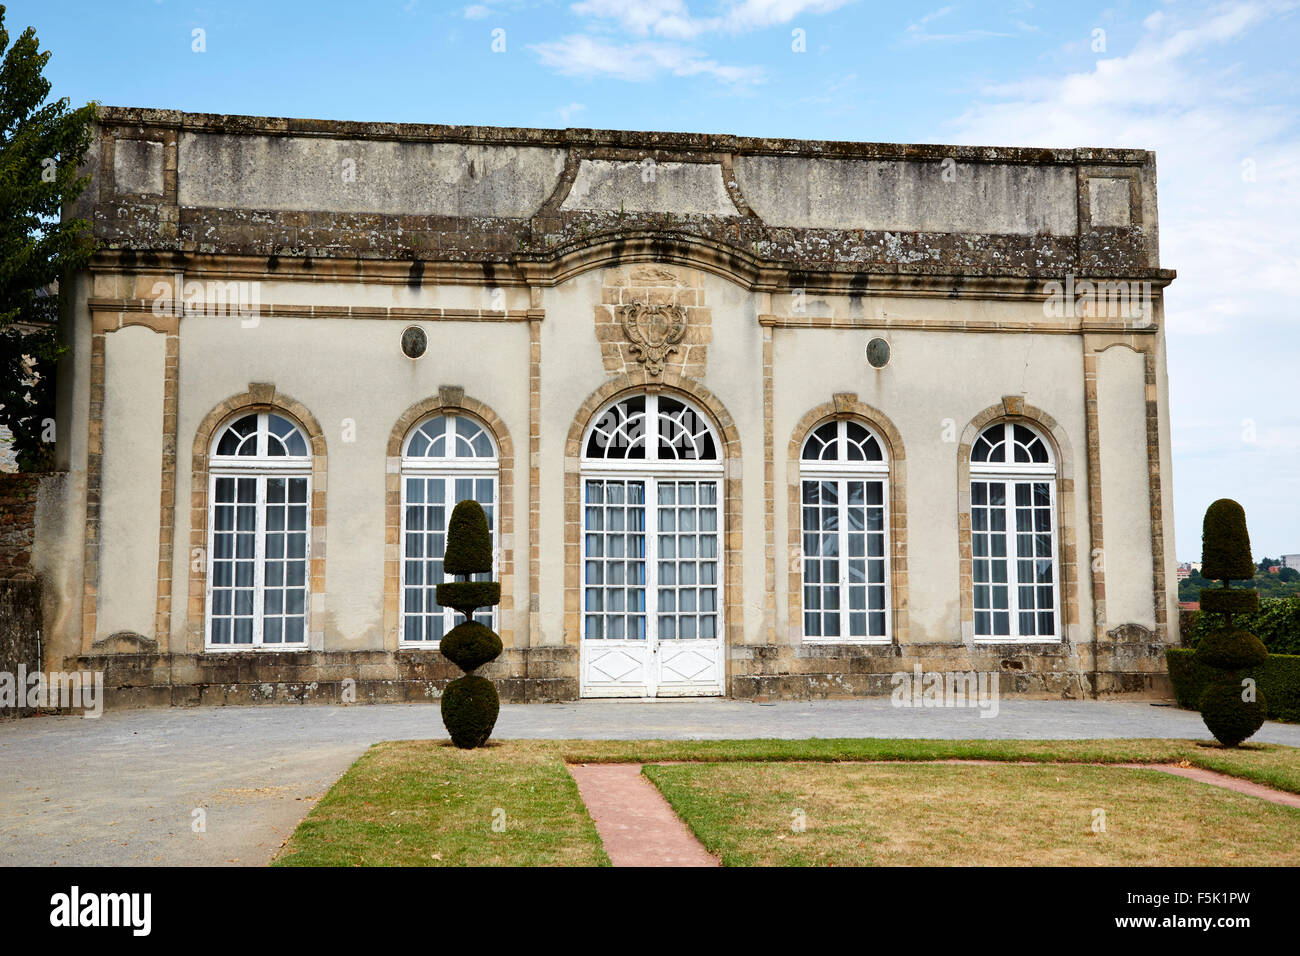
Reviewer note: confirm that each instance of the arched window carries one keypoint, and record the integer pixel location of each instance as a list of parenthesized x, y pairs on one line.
[(445, 460), (651, 523), (844, 494), (1013, 548), (259, 538)]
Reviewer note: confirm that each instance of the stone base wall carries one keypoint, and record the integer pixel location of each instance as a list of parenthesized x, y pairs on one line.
[(306, 677), (546, 674), (18, 493), (20, 621), (1057, 670)]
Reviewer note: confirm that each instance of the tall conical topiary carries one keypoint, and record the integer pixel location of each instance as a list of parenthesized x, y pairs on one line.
[(469, 704), (1231, 711)]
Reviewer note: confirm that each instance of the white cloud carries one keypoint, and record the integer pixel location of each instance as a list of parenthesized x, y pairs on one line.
[(757, 14), (568, 112), (477, 12), (672, 19), (918, 31), (662, 36), (588, 56), (1187, 91), (664, 18)]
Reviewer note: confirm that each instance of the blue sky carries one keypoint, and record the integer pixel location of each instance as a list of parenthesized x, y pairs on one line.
[(1214, 88)]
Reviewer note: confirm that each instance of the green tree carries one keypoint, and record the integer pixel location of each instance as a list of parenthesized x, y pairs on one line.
[(42, 145)]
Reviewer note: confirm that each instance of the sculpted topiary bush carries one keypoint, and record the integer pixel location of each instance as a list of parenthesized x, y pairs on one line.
[(469, 704), (1225, 544), (469, 710), (1228, 717), (1232, 708), (1231, 650)]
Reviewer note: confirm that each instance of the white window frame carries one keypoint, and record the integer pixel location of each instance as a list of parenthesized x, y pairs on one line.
[(841, 470), (259, 467), (1011, 473), (651, 470), (448, 468)]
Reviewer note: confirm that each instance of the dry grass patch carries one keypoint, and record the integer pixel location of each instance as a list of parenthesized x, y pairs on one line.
[(964, 815), (425, 803)]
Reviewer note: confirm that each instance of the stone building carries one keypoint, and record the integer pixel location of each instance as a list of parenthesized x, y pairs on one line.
[(750, 417)]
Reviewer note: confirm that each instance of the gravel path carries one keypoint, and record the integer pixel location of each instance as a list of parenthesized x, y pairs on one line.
[(123, 789)]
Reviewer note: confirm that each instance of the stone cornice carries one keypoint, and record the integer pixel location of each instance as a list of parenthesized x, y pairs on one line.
[(752, 272), (641, 141), (172, 184)]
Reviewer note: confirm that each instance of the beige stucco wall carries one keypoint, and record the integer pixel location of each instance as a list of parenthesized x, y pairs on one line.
[(1126, 502), (132, 480), (934, 384), (353, 370)]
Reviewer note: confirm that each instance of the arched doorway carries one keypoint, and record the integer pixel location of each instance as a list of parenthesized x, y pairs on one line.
[(652, 577)]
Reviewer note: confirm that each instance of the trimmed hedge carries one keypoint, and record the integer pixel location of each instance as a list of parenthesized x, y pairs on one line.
[(470, 645), (468, 596), (1277, 624), (469, 710), (1230, 718), (469, 542), (1231, 650), (1224, 601), (1278, 680), (1225, 543)]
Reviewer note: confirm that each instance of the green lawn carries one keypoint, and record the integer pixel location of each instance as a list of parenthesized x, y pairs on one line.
[(823, 814), (427, 803)]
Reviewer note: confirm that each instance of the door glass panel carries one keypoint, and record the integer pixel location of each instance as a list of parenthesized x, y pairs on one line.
[(614, 575), (687, 567), (1012, 567), (234, 560), (988, 550), (285, 588)]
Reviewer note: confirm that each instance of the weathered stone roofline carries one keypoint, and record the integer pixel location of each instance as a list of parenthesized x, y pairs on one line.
[(540, 205), (238, 124)]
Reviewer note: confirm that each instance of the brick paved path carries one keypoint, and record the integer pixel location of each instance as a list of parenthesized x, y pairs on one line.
[(635, 822)]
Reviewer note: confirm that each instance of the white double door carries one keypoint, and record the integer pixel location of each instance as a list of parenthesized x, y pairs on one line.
[(652, 586)]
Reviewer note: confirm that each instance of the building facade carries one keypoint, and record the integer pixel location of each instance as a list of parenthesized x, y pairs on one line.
[(749, 417)]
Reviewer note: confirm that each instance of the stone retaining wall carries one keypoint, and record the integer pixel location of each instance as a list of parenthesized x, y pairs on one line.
[(1054, 670), (20, 621), (149, 679), (548, 674), (18, 493)]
